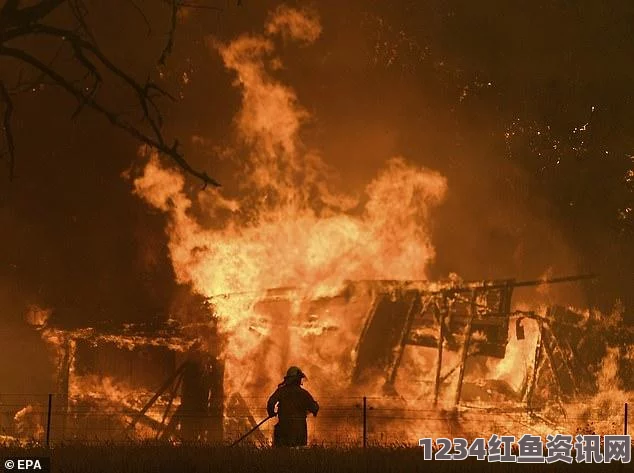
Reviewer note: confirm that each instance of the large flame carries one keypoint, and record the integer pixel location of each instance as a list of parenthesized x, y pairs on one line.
[(290, 228)]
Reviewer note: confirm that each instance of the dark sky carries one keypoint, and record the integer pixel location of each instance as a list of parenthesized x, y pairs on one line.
[(526, 107)]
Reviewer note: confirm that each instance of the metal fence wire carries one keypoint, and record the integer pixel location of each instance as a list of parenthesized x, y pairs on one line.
[(340, 421)]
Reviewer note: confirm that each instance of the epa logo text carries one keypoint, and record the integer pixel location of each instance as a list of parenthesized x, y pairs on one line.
[(40, 465)]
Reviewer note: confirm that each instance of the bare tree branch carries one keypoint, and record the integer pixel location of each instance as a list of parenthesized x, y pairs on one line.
[(143, 15), (158, 143), (79, 11), (174, 6), (200, 6), (27, 22), (170, 38), (6, 126)]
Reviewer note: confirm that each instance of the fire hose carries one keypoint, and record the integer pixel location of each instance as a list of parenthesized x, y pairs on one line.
[(257, 426)]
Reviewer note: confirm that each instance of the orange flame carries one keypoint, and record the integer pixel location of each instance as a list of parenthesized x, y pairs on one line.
[(289, 228)]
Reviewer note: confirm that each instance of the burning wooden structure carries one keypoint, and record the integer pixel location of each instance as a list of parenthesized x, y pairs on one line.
[(116, 370), (470, 318), (184, 362), (568, 352)]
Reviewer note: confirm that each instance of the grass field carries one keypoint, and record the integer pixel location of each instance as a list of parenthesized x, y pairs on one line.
[(166, 458)]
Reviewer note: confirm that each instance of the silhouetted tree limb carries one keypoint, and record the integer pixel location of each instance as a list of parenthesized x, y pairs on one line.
[(6, 125), (33, 21), (170, 37)]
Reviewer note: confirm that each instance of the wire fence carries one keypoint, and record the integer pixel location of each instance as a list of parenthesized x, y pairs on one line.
[(340, 421)]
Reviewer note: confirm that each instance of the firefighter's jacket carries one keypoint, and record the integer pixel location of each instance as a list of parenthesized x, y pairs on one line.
[(293, 405)]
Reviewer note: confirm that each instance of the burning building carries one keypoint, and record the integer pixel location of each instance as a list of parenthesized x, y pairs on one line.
[(137, 381), (353, 304), (415, 342)]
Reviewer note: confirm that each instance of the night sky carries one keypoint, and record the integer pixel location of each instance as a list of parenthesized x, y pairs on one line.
[(525, 107)]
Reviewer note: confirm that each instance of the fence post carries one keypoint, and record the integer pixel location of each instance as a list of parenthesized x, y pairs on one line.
[(625, 421), (365, 421), (48, 421)]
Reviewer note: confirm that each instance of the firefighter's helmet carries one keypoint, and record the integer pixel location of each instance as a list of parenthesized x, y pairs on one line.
[(294, 373)]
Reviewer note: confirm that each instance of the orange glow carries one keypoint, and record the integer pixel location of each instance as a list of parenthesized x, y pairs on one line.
[(274, 262), (291, 229)]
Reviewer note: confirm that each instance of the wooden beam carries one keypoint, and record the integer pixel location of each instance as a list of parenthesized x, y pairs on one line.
[(411, 314), (441, 337), (158, 394), (465, 347)]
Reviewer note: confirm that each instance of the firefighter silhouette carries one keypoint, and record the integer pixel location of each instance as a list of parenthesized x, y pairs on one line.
[(293, 405)]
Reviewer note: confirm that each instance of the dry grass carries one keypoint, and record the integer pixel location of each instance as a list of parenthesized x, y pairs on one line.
[(197, 458)]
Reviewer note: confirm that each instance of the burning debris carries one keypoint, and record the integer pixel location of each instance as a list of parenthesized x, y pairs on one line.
[(403, 342), (417, 342)]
